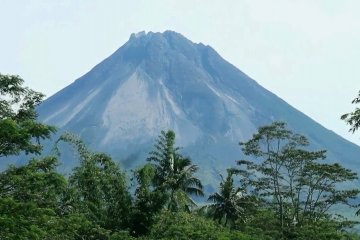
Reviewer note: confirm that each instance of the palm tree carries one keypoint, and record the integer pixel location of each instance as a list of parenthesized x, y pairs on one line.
[(174, 173), (182, 183), (228, 203)]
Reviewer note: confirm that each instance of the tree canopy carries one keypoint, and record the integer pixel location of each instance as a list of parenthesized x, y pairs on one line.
[(353, 118), (292, 180), (19, 129), (174, 173), (284, 189)]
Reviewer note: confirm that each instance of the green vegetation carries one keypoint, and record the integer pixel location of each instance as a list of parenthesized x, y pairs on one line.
[(18, 126), (292, 181), (282, 191), (353, 118), (230, 205), (174, 174)]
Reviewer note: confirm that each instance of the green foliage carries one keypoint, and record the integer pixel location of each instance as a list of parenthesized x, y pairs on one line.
[(320, 230), (353, 118), (98, 188), (100, 191), (291, 179), (174, 173), (182, 225), (23, 220), (231, 204), (76, 227), (265, 225), (294, 188), (36, 182), (148, 201), (32, 205), (167, 181), (19, 130), (122, 235)]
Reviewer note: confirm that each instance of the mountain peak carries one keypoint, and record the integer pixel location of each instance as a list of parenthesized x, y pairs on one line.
[(138, 35), (167, 38), (155, 52), (168, 34), (159, 81)]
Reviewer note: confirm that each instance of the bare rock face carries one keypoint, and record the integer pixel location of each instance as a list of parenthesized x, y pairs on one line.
[(160, 81)]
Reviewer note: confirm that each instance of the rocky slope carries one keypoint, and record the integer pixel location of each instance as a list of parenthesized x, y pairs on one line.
[(159, 81)]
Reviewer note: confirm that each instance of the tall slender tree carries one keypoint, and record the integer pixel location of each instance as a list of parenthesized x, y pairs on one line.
[(231, 203), (174, 173), (353, 119), (148, 201)]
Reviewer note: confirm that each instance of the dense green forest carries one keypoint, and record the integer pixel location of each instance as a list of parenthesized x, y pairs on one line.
[(282, 190)]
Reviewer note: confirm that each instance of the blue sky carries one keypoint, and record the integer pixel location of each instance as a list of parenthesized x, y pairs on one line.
[(305, 51)]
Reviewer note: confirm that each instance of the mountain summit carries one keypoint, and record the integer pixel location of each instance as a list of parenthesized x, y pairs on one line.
[(160, 81)]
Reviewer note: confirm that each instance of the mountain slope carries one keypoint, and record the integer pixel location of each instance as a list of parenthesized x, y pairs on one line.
[(159, 81)]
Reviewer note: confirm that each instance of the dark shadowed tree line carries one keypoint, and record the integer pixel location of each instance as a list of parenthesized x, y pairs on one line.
[(281, 190)]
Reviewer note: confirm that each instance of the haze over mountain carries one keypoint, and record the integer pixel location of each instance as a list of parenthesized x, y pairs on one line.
[(160, 81)]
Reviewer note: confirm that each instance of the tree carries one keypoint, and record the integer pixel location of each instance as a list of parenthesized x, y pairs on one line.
[(182, 225), (36, 182), (30, 196), (291, 179), (19, 130), (353, 118), (33, 196), (230, 203), (22, 220), (174, 173), (33, 205), (182, 184), (98, 188), (148, 201), (163, 157), (264, 225)]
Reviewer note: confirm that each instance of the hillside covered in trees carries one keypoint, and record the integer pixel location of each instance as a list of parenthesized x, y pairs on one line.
[(282, 190)]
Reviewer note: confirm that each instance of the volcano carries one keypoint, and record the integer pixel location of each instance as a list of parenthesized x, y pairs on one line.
[(161, 81)]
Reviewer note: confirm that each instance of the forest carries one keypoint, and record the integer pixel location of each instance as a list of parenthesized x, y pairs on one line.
[(283, 189)]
